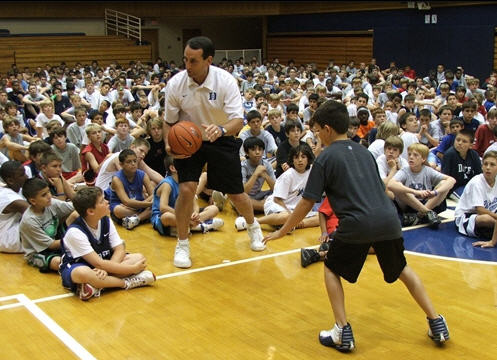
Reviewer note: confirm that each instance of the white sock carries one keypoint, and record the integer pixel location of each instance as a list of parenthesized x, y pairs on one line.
[(255, 223), (183, 242)]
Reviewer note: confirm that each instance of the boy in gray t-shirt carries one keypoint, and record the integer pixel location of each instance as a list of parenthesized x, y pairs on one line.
[(347, 172), (42, 225), (419, 190)]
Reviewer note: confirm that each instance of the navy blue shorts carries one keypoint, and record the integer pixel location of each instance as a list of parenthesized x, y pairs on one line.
[(65, 273)]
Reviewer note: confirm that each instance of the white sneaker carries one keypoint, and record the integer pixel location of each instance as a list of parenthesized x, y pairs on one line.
[(182, 255), (255, 235), (146, 277), (240, 223), (213, 224), (130, 222), (219, 199)]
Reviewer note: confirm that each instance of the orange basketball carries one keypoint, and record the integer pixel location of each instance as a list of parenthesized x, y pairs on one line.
[(184, 138)]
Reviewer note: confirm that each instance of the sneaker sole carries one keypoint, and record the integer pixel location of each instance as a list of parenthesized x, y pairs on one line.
[(342, 348), (182, 266)]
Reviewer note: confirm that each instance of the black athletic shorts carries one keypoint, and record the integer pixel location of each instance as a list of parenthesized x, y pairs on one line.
[(346, 260), (224, 170)]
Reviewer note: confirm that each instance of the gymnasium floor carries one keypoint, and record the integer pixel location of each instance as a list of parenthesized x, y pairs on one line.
[(237, 304)]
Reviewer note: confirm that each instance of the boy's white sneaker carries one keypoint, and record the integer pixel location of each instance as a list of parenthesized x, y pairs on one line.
[(86, 291), (182, 255), (146, 277), (240, 223), (256, 237), (130, 222), (208, 225)]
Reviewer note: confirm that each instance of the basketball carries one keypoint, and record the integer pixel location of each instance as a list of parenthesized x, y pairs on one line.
[(184, 138)]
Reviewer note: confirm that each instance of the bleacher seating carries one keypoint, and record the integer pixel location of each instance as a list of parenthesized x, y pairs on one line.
[(40, 50)]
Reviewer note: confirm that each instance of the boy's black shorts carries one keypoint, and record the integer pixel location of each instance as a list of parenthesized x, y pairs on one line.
[(346, 260), (224, 170)]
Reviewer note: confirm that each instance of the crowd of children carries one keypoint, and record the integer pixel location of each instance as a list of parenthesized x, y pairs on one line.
[(88, 127)]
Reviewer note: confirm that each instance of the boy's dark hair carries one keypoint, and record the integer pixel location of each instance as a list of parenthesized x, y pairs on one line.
[(313, 97), (253, 114), (425, 112), (38, 147), (445, 107), (292, 108), (333, 114), (460, 88), (303, 149), (409, 98), (92, 114), (32, 187), (86, 198), (8, 168), (124, 154), (49, 156), (456, 120), (249, 73), (468, 105), (259, 95), (204, 43), (79, 109), (251, 143), (135, 106), (364, 96), (292, 124), (469, 133), (403, 119), (60, 131)]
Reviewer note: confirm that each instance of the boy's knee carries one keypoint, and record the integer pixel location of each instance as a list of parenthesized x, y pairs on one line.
[(82, 274)]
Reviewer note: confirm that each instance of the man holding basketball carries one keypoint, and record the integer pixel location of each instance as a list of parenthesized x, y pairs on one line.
[(209, 97)]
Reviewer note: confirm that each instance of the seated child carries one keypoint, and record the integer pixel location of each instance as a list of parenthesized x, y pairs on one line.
[(456, 125), (419, 190), (155, 156), (475, 212), (385, 130), (12, 205), (255, 172), (293, 131), (409, 123), (461, 162), (485, 134), (13, 142), (287, 192), (442, 123), (128, 204), (93, 154), (390, 161), (365, 125), (69, 153), (328, 223), (76, 132), (42, 225), (122, 139), (353, 128), (275, 128), (379, 117), (51, 172), (42, 119), (94, 256), (468, 112), (35, 150), (254, 121), (312, 139), (426, 131), (163, 216)]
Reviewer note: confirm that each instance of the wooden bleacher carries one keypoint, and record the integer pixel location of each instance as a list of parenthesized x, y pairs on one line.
[(40, 50)]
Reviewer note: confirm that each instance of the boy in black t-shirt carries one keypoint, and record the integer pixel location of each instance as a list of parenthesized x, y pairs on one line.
[(347, 172)]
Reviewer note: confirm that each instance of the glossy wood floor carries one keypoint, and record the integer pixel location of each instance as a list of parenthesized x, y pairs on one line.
[(237, 304)]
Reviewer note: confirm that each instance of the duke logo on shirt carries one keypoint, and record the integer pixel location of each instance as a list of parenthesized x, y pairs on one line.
[(212, 95)]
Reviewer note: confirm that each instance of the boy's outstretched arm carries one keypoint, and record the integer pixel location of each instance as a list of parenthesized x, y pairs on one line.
[(301, 210)]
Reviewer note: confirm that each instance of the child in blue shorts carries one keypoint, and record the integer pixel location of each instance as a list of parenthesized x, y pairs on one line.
[(94, 256), (163, 216)]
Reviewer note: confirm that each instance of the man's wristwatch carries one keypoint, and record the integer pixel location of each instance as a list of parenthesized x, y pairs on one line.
[(223, 130)]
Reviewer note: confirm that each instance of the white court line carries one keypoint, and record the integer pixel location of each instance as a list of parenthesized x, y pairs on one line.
[(7, 298), (236, 262), (231, 263), (59, 332)]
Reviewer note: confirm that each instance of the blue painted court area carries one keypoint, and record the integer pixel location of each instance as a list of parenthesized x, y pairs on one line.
[(446, 241)]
